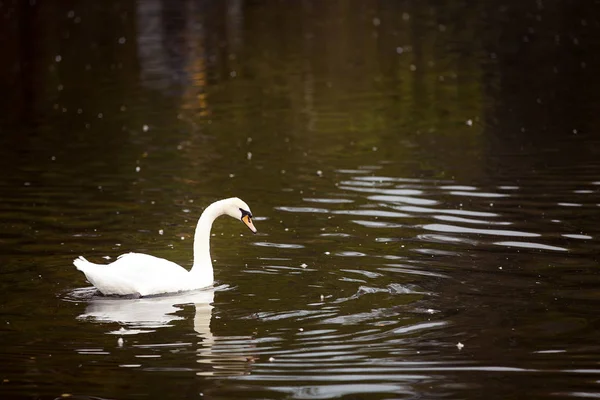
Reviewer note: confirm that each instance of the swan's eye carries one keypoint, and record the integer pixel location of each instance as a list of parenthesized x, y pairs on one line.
[(245, 213)]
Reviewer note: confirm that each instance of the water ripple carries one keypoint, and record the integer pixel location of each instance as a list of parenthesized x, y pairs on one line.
[(303, 209), (425, 210), (279, 245), (450, 218), (372, 213), (403, 199), (478, 194), (376, 224), (461, 229), (392, 192), (531, 245), (328, 201)]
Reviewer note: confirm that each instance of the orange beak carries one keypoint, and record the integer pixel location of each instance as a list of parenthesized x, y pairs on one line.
[(248, 221)]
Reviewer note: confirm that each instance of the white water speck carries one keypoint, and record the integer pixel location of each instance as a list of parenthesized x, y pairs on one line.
[(137, 169), (322, 298), (160, 232), (120, 342), (459, 345), (271, 359), (145, 128), (122, 40), (301, 329), (106, 257), (376, 21), (327, 253), (231, 175), (249, 156), (303, 265), (469, 122), (183, 238), (100, 115), (399, 50), (320, 173), (58, 58)]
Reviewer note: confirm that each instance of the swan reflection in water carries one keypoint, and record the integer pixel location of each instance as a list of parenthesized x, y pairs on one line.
[(218, 355)]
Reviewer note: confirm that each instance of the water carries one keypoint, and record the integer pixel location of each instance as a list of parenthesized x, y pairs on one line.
[(424, 179)]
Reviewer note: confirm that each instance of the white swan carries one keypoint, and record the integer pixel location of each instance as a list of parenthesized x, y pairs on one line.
[(144, 275)]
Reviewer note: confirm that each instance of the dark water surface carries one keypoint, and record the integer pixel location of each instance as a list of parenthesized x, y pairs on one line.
[(425, 177)]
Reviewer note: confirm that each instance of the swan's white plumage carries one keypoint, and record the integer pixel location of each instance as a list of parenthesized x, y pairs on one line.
[(144, 275)]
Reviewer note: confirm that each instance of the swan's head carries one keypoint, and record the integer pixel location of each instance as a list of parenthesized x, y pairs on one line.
[(238, 209)]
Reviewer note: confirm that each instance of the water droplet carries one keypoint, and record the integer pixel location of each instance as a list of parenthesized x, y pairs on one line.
[(122, 40), (58, 58), (137, 169), (145, 128)]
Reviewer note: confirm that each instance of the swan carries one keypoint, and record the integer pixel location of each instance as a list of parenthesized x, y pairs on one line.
[(139, 275)]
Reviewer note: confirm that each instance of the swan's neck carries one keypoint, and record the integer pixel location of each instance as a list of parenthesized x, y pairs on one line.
[(202, 261)]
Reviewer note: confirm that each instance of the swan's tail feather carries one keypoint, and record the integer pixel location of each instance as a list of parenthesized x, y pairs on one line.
[(81, 263)]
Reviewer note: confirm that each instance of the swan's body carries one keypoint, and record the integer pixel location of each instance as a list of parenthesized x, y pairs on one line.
[(145, 275)]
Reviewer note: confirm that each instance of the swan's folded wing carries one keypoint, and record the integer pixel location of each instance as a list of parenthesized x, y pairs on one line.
[(141, 273)]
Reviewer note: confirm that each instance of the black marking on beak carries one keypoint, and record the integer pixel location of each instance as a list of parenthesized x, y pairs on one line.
[(244, 213)]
